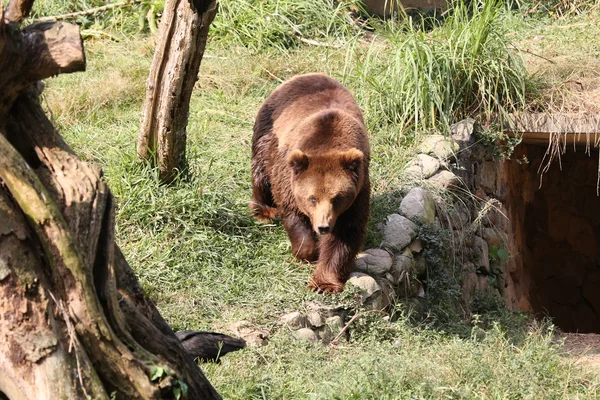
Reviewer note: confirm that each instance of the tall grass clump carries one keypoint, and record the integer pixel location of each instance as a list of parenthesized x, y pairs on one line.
[(423, 81), (262, 24)]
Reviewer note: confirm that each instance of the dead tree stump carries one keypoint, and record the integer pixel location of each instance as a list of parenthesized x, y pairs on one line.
[(180, 45), (74, 322)]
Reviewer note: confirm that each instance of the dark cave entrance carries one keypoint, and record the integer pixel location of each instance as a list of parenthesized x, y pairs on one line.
[(557, 235)]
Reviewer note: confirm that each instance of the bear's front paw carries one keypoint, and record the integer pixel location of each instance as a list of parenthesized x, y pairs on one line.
[(321, 286), (263, 213)]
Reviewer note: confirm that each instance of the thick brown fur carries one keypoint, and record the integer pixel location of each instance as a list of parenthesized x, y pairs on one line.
[(310, 165)]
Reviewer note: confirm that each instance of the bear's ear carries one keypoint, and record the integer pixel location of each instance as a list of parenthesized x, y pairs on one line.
[(352, 160), (298, 161)]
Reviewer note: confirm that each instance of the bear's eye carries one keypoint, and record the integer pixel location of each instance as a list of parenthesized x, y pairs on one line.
[(336, 200), (313, 200)]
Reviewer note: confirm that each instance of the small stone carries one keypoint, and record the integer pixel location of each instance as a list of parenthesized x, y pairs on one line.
[(416, 246), (306, 334), (294, 320), (462, 132), (422, 166), (404, 262), (4, 269), (418, 205), (420, 266), (253, 335), (458, 218), (391, 278), (368, 286), (481, 254), (445, 180), (324, 334), (399, 232), (439, 145), (374, 262), (388, 294), (494, 237), (315, 319), (486, 179), (323, 310), (336, 324)]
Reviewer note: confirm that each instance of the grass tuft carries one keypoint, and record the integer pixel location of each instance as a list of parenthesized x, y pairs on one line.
[(424, 81)]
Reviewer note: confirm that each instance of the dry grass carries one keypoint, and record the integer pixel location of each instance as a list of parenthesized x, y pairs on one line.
[(564, 54)]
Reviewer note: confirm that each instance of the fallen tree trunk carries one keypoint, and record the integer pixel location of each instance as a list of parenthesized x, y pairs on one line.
[(180, 46), (75, 322)]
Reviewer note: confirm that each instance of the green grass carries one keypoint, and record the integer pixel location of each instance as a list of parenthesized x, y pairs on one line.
[(424, 81), (207, 264)]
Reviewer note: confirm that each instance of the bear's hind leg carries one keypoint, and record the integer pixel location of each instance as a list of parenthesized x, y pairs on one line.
[(304, 244), (261, 205)]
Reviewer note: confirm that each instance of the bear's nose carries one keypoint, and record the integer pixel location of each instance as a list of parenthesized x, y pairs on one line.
[(323, 229)]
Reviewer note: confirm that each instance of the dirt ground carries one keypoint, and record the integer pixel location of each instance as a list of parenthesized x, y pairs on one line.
[(583, 348)]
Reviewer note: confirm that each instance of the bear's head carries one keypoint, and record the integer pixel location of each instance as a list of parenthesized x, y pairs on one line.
[(326, 185)]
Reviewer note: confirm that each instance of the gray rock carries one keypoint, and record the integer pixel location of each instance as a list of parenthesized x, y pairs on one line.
[(481, 255), (420, 266), (458, 218), (306, 334), (439, 145), (486, 178), (462, 132), (324, 311), (494, 237), (374, 262), (254, 335), (4, 269), (324, 334), (294, 320), (369, 288), (445, 180), (315, 319), (404, 262), (418, 204), (336, 324), (422, 166), (390, 277), (416, 246), (399, 231)]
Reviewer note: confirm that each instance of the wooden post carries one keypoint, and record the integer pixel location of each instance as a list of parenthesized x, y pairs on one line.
[(181, 41)]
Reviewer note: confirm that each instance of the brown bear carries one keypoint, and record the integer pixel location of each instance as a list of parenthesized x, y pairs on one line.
[(310, 166)]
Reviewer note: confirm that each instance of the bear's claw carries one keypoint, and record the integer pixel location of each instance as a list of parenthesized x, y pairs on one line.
[(326, 287), (263, 213)]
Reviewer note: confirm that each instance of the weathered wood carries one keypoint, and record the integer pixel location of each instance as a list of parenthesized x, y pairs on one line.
[(38, 52), (75, 322), (17, 10), (180, 45)]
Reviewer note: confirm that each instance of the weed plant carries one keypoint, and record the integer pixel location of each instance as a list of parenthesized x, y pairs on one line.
[(424, 81)]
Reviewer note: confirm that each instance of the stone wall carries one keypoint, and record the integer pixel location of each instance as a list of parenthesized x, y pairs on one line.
[(535, 248)]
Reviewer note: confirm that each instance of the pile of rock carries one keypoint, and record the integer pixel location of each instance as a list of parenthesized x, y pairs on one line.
[(397, 270), (316, 323)]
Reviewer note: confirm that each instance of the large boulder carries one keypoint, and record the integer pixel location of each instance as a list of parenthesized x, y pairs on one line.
[(399, 231), (418, 204), (440, 146), (374, 262), (423, 166)]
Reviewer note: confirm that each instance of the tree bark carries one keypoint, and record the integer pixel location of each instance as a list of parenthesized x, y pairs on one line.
[(180, 45), (74, 322)]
